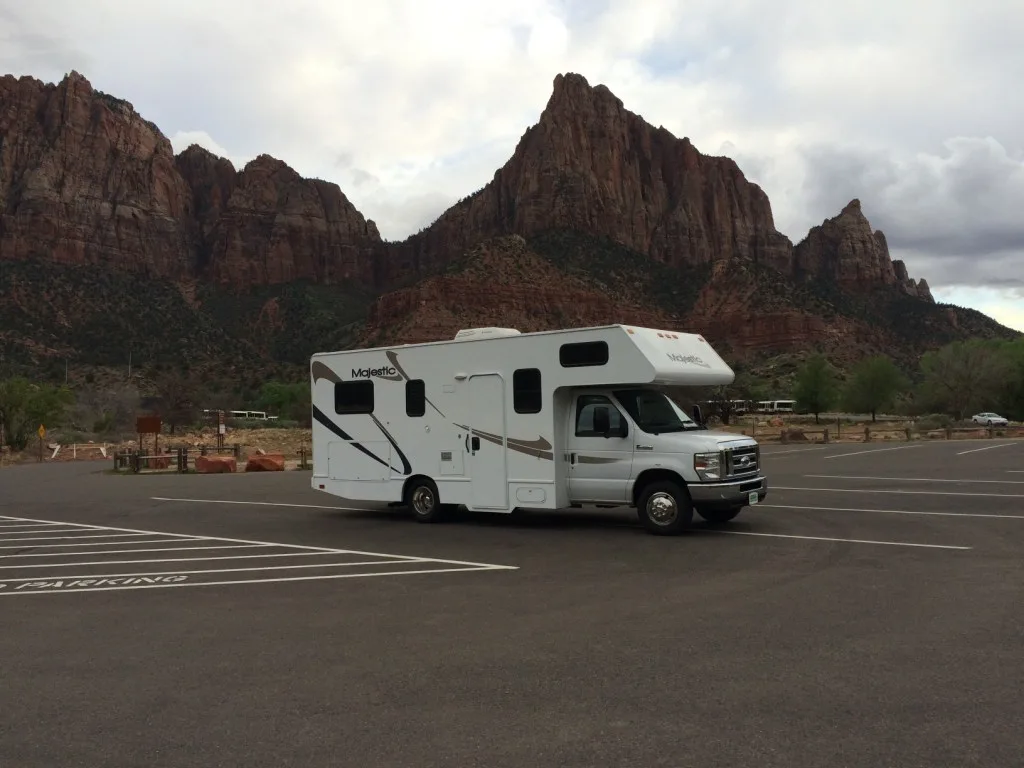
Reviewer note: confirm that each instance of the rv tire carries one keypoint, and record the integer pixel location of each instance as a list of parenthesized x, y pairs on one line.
[(423, 500), (664, 507)]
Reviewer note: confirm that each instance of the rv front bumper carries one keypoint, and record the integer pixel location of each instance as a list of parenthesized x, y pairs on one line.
[(728, 495)]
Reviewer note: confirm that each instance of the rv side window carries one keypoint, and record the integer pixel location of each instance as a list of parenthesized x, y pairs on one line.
[(415, 398), (585, 406), (353, 396), (526, 397), (583, 353)]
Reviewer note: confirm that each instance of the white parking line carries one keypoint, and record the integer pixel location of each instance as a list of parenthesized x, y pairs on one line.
[(106, 543), (911, 493), (127, 551), (258, 503), (986, 448), (9, 534), (917, 479), (79, 538), (172, 560), (871, 450), (795, 450), (894, 511), (851, 541), (49, 582)]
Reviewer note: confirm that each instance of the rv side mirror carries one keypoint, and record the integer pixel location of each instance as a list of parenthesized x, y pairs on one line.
[(697, 416), (602, 423)]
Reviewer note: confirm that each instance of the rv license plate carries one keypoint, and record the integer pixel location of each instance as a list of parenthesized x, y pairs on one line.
[(753, 497)]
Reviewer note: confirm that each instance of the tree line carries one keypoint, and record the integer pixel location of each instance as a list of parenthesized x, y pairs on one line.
[(175, 394), (959, 379)]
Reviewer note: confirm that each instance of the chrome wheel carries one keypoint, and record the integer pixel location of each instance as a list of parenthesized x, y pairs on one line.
[(423, 500), (662, 508)]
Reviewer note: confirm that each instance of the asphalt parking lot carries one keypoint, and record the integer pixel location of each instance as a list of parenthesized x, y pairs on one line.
[(870, 613)]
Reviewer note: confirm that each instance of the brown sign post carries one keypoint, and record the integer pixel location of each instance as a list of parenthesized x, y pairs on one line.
[(149, 425)]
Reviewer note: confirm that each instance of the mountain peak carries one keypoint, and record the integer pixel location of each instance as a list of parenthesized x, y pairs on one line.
[(571, 92), (852, 207)]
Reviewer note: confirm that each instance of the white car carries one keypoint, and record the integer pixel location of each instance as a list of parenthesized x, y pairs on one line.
[(989, 419)]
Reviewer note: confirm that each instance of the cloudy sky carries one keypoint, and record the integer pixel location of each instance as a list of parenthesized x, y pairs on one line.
[(914, 107)]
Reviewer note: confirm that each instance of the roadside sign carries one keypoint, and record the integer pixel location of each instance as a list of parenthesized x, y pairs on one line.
[(41, 431)]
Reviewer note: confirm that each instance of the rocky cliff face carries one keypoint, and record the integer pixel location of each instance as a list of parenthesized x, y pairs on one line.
[(597, 217), (501, 282), (268, 225), (591, 165), (844, 250), (84, 179)]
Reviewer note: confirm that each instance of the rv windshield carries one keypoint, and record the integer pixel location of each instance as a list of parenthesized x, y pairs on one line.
[(654, 411)]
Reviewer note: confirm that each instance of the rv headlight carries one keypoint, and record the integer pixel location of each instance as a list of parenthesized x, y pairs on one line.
[(708, 466)]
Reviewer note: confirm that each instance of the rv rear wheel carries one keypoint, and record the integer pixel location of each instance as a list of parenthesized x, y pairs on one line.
[(422, 498), (664, 507)]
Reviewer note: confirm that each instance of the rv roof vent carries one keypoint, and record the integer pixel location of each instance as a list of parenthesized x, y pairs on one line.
[(467, 334)]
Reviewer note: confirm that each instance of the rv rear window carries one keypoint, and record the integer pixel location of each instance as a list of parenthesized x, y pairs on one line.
[(526, 395), (415, 397), (353, 396), (583, 353)]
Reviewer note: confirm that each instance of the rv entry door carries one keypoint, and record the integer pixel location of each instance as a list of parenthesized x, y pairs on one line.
[(486, 442)]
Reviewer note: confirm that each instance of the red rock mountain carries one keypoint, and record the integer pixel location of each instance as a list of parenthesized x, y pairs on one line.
[(85, 180), (597, 217)]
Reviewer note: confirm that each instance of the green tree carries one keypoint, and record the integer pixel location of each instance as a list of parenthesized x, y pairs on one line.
[(25, 405), (873, 385), (1011, 393), (178, 394), (286, 400), (964, 374), (816, 386)]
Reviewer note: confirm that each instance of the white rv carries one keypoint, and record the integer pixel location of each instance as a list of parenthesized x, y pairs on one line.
[(498, 420)]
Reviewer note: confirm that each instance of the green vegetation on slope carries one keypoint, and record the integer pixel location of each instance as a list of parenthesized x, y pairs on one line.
[(619, 271)]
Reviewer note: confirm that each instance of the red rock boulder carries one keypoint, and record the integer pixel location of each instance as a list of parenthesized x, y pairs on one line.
[(207, 465), (270, 462)]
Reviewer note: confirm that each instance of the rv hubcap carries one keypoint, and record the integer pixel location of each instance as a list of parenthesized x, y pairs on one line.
[(422, 500), (661, 508)]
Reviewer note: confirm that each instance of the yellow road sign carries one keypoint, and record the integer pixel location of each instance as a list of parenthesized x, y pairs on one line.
[(41, 431)]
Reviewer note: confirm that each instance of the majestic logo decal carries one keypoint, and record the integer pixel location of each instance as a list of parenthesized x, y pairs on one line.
[(677, 358), (384, 372)]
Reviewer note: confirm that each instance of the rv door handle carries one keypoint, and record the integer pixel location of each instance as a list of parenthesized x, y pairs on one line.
[(476, 443), (572, 458)]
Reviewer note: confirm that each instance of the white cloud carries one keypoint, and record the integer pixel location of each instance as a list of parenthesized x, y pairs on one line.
[(909, 106)]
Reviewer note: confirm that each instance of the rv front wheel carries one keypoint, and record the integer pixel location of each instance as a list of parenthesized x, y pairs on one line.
[(422, 499), (664, 507)]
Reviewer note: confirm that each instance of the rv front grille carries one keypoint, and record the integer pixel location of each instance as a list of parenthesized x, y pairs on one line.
[(743, 461)]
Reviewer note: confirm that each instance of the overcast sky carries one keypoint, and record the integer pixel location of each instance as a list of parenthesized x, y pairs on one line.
[(914, 107)]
